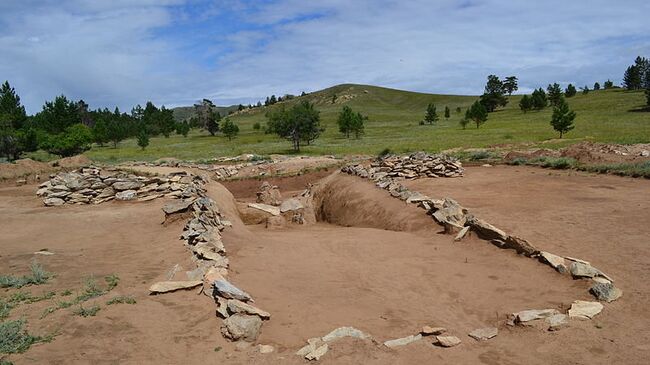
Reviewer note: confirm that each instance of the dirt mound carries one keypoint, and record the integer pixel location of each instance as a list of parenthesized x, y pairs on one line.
[(72, 162), (352, 202), (23, 168), (594, 153), (544, 152)]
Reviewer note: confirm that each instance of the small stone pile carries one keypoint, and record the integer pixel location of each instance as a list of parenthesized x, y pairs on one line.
[(221, 172), (419, 164), (93, 185)]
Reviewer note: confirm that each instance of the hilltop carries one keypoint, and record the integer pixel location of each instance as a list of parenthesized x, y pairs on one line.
[(394, 115)]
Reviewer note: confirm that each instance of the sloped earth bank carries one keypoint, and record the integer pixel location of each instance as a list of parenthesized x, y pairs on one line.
[(314, 278)]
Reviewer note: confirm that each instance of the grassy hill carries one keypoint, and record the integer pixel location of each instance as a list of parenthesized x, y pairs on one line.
[(186, 112), (394, 115)]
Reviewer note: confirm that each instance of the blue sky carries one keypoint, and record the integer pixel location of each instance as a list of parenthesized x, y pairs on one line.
[(173, 52)]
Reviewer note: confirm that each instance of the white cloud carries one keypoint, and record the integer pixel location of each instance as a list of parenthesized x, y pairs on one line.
[(126, 52)]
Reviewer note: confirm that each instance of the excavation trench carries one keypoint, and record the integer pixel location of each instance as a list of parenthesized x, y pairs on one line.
[(373, 262)]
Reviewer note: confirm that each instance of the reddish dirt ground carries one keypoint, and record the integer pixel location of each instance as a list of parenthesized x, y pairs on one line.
[(315, 278)]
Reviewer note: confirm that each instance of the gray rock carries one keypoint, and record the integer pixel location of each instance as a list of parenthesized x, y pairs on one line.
[(127, 185), (238, 307), (557, 321), (605, 292), (447, 341), (403, 341), (52, 202), (583, 270), (556, 262), (534, 314), (168, 286), (317, 353), (485, 230), (177, 206), (427, 330), (290, 205), (345, 332), (241, 327), (584, 310), (126, 195), (482, 334), (226, 290)]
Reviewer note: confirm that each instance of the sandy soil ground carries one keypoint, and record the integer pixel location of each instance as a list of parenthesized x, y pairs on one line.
[(315, 278)]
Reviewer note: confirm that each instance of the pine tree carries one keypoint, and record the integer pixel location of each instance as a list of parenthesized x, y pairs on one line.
[(447, 112), (562, 118), (510, 85), (431, 115), (526, 103), (596, 86), (554, 94), (477, 113), (570, 91), (608, 84), (585, 90), (632, 79), (493, 95), (143, 138), (212, 122), (356, 126), (538, 99), (344, 121), (183, 128), (230, 129)]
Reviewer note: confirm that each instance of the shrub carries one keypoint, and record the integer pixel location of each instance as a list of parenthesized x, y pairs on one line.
[(480, 155), (14, 338), (37, 276), (74, 140), (121, 299), (86, 312), (385, 152)]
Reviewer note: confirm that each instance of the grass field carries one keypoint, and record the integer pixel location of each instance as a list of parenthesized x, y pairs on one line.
[(394, 115)]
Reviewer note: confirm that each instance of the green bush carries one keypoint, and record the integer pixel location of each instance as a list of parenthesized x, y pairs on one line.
[(37, 276), (86, 312), (480, 155), (14, 338), (74, 140)]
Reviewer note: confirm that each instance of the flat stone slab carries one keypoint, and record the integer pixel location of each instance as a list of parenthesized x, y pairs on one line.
[(428, 331), (534, 314), (556, 262), (290, 205), (177, 206), (447, 341), (345, 332), (483, 334), (169, 286), (403, 341), (557, 321), (317, 353), (265, 208), (226, 290), (584, 310), (237, 306)]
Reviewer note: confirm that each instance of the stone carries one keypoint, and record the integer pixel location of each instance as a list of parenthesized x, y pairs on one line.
[(269, 194), (345, 332), (428, 331), (312, 344), (317, 353), (169, 286), (53, 202), (226, 290), (520, 245), (556, 262), (241, 327), (265, 349), (126, 195), (150, 197), (222, 308), (21, 182), (462, 233), (557, 321), (485, 230), (127, 185), (605, 292), (483, 334), (238, 307), (403, 341), (447, 341), (177, 206), (582, 270), (417, 197), (266, 208), (584, 310), (533, 314), (106, 192), (290, 205)]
